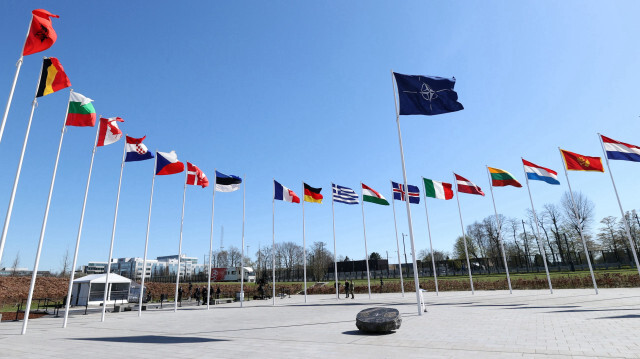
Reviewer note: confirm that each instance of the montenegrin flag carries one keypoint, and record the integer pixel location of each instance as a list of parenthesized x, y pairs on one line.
[(53, 78), (373, 196), (439, 190), (109, 131), (539, 173), (620, 151), (502, 178), (466, 186), (41, 34), (167, 163), (576, 162), (81, 111), (282, 193), (136, 150), (312, 194)]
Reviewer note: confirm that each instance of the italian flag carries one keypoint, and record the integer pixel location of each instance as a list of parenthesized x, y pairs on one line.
[(81, 111), (373, 196), (439, 190)]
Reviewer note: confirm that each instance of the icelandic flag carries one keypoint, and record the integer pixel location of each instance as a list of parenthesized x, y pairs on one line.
[(136, 150), (168, 164), (226, 183), (538, 173), (399, 194), (282, 193), (620, 150), (426, 95)]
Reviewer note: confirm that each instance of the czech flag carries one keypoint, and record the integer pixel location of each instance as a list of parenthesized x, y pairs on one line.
[(168, 164)]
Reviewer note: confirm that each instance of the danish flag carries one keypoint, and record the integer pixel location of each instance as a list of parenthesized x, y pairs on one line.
[(195, 176)]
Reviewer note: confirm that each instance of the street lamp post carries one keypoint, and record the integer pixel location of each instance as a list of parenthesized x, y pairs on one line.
[(405, 255)]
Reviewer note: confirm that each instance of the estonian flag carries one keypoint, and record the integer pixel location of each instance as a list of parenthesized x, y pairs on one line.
[(225, 183)]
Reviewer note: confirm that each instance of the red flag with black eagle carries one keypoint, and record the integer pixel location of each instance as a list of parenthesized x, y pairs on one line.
[(41, 34)]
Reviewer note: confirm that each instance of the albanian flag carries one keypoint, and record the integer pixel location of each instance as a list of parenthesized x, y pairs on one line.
[(41, 34)]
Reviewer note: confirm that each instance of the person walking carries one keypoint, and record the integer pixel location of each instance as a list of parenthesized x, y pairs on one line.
[(351, 289), (180, 295), (346, 288), (197, 296), (381, 284)]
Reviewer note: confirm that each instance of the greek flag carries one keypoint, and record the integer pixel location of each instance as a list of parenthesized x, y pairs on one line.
[(344, 194)]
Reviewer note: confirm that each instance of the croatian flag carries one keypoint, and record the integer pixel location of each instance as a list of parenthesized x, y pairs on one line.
[(399, 193), (620, 150), (538, 173), (136, 150), (282, 193), (168, 164)]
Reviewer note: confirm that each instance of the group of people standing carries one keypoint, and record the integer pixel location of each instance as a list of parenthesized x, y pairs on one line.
[(198, 294), (348, 289)]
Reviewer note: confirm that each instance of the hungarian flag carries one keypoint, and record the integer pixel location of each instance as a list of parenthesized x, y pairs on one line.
[(109, 131), (439, 190), (41, 34), (136, 150), (81, 111), (466, 186), (373, 196), (501, 178), (576, 162), (282, 193), (52, 78), (312, 194), (195, 176), (168, 164)]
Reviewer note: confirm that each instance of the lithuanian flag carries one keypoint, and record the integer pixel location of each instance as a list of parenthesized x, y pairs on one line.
[(312, 194), (501, 178), (52, 78)]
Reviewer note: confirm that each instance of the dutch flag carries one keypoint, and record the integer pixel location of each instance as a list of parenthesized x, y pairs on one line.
[(539, 173)]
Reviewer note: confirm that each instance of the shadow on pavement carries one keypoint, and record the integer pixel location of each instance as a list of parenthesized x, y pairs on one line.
[(628, 316), (357, 332), (153, 339)]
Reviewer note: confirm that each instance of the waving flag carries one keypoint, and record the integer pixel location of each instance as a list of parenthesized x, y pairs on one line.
[(53, 78), (81, 111), (168, 164), (399, 194), (41, 34), (539, 173), (620, 150), (466, 186), (373, 196), (225, 183), (136, 150), (439, 190), (109, 131), (576, 162), (195, 176), (282, 193), (312, 194), (501, 178), (343, 194), (426, 95)]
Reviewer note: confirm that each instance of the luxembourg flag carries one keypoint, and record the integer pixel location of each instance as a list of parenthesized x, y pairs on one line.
[(168, 164), (620, 150), (136, 150), (538, 173), (282, 193)]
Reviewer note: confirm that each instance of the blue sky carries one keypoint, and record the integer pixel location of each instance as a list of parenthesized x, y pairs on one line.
[(301, 91)]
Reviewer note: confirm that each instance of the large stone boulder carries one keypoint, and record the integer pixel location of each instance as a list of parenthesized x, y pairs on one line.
[(378, 320)]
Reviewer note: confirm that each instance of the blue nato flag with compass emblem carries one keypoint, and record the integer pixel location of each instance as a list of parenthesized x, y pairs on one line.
[(426, 95)]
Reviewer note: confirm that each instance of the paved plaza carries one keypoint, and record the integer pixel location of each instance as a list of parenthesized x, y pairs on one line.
[(525, 324)]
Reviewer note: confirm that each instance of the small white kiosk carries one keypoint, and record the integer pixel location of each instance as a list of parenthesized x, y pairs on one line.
[(90, 289)]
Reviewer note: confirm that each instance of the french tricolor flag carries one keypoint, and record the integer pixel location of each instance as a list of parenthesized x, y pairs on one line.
[(539, 173), (620, 150), (168, 164), (282, 193), (136, 150)]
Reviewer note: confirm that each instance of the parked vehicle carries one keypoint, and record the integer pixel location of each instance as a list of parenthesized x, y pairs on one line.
[(232, 274)]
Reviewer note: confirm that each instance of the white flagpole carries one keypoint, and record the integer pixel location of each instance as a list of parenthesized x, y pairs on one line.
[(406, 188), (397, 242), (273, 238), (433, 261), (575, 209), (15, 80), (499, 224), (113, 236), (335, 256), (146, 240), (535, 219), (366, 251), (244, 191), (75, 253), (304, 249), (213, 204), (44, 221), (184, 197), (7, 218), (624, 218), (464, 237)]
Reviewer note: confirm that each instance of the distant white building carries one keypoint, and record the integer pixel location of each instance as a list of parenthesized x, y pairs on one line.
[(131, 267)]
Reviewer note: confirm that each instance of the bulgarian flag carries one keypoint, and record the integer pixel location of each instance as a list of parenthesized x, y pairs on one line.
[(81, 112), (501, 178), (373, 196), (439, 190)]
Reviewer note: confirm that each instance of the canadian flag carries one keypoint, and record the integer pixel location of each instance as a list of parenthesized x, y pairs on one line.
[(195, 176), (109, 131)]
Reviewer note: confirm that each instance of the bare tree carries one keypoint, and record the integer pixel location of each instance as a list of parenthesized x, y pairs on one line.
[(234, 256), (578, 214), (15, 264), (555, 216), (65, 263), (610, 237)]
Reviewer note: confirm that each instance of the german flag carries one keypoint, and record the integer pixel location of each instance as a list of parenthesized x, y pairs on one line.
[(52, 78), (312, 194)]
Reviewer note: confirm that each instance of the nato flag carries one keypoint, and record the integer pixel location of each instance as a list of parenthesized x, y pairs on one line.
[(426, 95)]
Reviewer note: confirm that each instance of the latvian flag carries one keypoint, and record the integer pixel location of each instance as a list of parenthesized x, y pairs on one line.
[(620, 150), (539, 173), (195, 176), (439, 190), (168, 164), (136, 150), (282, 193), (466, 186)]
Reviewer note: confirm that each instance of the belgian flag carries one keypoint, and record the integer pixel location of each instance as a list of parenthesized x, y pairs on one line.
[(312, 194), (52, 78)]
